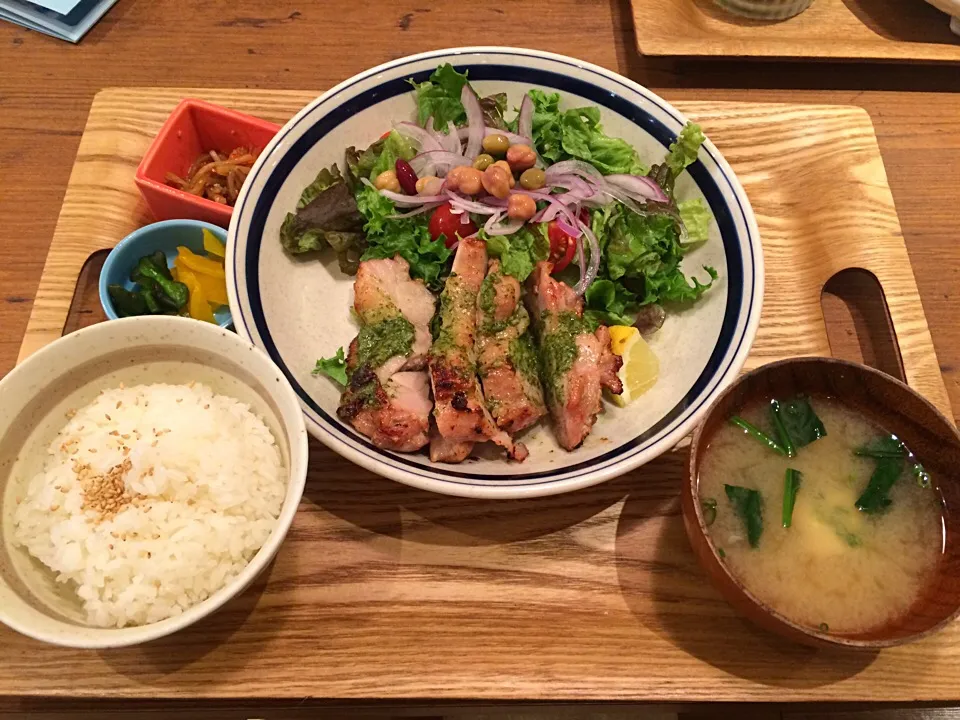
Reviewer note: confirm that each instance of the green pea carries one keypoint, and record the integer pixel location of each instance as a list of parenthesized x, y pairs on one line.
[(496, 144), (483, 161), (533, 179)]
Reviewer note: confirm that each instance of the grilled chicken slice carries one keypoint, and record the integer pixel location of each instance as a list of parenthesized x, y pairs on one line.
[(388, 395), (449, 451), (460, 412), (506, 360), (395, 416), (577, 363), (383, 289)]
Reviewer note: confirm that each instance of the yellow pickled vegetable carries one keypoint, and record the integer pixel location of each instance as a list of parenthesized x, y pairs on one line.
[(212, 244), (200, 264), (214, 289), (198, 306)]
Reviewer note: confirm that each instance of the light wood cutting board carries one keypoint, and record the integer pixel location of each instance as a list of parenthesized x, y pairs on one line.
[(385, 592)]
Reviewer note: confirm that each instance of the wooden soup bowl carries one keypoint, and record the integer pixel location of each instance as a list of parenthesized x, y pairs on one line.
[(896, 408)]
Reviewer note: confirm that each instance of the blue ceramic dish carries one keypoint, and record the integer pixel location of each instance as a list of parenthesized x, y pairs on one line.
[(165, 236)]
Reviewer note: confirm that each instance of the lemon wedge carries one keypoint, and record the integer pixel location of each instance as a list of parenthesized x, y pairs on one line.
[(640, 369)]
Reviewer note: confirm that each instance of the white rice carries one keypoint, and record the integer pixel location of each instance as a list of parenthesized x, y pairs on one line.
[(206, 483)]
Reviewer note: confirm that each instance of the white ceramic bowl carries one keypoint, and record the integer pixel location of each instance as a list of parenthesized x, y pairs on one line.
[(298, 311), (69, 373)]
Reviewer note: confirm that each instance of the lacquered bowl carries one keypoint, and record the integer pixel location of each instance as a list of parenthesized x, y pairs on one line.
[(895, 407), (299, 310)]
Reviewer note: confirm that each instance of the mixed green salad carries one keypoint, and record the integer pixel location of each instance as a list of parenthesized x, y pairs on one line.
[(547, 184)]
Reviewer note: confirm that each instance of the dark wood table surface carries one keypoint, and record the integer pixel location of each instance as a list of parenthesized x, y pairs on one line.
[(46, 87)]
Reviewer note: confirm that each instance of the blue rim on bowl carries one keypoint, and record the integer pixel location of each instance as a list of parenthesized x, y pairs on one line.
[(164, 236), (260, 208)]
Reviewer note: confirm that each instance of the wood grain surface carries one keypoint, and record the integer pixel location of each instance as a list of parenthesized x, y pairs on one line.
[(604, 590), (841, 29), (377, 582)]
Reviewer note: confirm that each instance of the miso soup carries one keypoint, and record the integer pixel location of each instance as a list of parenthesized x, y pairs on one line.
[(821, 514)]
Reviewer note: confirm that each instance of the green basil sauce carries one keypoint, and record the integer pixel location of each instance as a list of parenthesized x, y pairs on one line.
[(382, 340), (558, 350), (524, 358)]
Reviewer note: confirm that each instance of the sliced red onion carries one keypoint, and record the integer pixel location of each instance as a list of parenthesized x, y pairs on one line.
[(492, 221), (639, 187), (470, 205), (442, 160), (426, 139), (465, 218), (422, 209), (569, 229), (410, 200), (525, 118), (586, 279), (556, 207), (618, 193), (535, 194), (574, 183), (508, 228), (451, 141), (475, 126), (575, 167)]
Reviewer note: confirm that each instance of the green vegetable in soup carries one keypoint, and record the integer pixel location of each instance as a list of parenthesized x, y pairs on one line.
[(748, 505), (791, 484), (800, 422), (875, 498), (780, 427), (709, 508), (890, 446), (758, 434)]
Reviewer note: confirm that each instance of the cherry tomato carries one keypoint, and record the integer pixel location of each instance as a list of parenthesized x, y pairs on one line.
[(562, 246), (445, 222)]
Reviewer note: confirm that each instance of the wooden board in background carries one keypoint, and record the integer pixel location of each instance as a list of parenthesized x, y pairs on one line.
[(883, 30), (382, 591)]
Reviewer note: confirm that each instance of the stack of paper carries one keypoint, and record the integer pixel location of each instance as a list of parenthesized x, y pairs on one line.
[(64, 19)]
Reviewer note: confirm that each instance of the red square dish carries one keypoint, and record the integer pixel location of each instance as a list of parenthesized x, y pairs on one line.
[(195, 127)]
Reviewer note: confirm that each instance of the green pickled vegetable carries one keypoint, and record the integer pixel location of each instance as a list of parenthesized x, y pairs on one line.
[(126, 302)]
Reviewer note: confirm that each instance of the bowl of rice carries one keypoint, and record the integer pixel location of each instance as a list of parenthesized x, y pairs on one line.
[(150, 469)]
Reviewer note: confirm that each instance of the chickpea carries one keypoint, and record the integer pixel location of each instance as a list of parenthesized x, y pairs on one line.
[(483, 161), (496, 181), (387, 180), (429, 185), (506, 168), (533, 179), (521, 157), (496, 144), (453, 178), (521, 207), (471, 180)]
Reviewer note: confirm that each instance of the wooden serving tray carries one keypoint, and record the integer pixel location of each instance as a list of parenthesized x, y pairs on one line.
[(385, 592), (839, 29)]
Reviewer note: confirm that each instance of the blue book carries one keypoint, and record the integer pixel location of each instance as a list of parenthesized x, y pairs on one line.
[(64, 19)]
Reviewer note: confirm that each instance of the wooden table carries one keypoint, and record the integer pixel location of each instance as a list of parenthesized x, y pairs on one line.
[(46, 87)]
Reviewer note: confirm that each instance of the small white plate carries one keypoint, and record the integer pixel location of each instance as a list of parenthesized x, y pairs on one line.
[(299, 311)]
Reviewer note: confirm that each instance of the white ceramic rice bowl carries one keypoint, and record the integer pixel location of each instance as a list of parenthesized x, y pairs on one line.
[(298, 311), (70, 373)]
